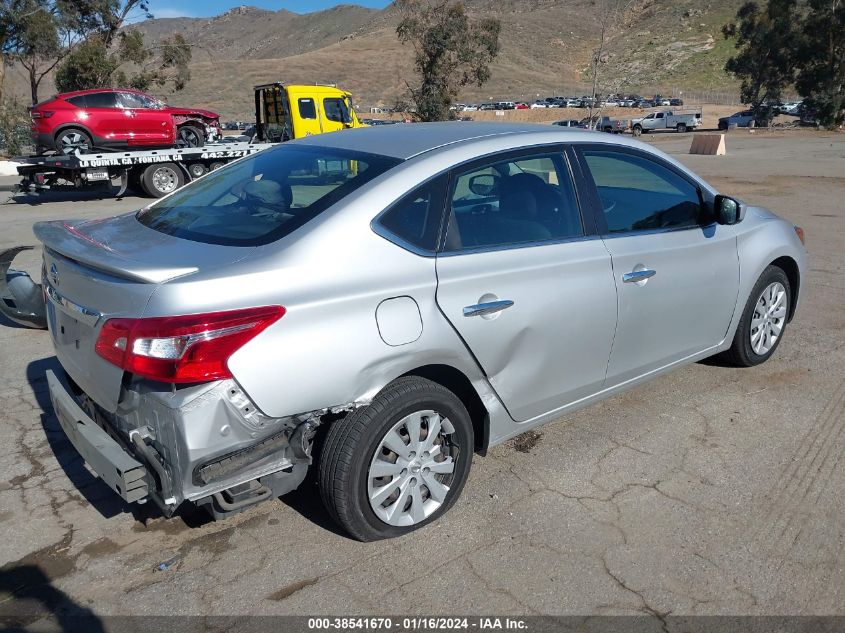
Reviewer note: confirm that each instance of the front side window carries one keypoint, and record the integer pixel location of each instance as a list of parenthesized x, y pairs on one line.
[(639, 194), (101, 100), (264, 197), (135, 100), (511, 202), (307, 109), (336, 110)]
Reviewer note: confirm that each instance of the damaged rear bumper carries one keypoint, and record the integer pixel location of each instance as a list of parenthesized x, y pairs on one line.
[(204, 444)]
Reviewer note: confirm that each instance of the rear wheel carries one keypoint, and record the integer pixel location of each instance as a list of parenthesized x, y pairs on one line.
[(72, 140), (191, 136), (763, 320), (399, 463), (162, 179), (682, 127)]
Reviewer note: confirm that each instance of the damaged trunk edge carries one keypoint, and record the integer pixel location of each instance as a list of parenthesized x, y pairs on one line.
[(21, 299)]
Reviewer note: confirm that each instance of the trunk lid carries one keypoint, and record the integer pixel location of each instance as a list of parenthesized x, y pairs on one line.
[(100, 269)]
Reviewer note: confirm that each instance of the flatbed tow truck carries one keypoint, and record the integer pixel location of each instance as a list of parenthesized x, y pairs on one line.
[(282, 112)]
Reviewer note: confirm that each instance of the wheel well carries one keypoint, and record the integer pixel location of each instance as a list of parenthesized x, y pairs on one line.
[(72, 126), (790, 267), (455, 381)]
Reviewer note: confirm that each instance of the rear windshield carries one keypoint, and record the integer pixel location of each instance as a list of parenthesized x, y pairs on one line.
[(264, 197)]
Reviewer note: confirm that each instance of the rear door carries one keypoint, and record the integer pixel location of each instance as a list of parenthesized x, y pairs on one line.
[(676, 271), (525, 282)]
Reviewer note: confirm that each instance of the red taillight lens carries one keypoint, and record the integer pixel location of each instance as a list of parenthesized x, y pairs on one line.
[(41, 114), (190, 348), (799, 232)]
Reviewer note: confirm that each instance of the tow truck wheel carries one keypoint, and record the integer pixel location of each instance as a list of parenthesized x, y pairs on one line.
[(197, 170), (162, 179), (72, 140)]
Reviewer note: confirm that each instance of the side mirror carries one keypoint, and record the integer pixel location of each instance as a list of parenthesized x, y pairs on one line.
[(728, 210), (482, 184)]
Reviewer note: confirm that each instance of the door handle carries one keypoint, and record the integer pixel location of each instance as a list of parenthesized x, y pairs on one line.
[(638, 275), (483, 309)]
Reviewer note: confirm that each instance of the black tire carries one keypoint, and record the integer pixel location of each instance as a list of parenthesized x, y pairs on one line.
[(741, 353), (351, 443), (190, 136), (71, 139), (638, 130), (723, 126), (682, 127), (216, 165), (161, 179)]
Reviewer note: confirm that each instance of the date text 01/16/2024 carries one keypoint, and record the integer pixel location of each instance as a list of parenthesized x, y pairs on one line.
[(416, 624)]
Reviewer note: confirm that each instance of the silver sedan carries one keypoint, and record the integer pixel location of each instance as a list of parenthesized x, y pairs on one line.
[(383, 303)]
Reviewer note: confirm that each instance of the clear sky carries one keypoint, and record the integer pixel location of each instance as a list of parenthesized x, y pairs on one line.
[(205, 8)]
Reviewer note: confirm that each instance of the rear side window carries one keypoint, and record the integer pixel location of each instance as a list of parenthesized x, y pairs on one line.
[(78, 101), (415, 219), (307, 109), (101, 100), (264, 197), (639, 194)]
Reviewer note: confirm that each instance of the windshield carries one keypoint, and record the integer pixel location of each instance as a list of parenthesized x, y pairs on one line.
[(263, 198)]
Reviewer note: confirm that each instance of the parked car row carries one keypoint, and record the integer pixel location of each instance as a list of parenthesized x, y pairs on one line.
[(585, 101)]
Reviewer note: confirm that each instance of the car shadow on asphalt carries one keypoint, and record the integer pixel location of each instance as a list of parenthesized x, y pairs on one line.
[(37, 199), (31, 598)]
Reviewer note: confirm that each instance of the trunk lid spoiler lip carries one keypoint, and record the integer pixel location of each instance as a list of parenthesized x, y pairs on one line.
[(64, 239)]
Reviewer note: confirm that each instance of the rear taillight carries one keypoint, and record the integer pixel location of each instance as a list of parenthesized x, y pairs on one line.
[(41, 114), (190, 348)]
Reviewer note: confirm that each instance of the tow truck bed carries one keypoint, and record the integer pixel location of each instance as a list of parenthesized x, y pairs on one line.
[(153, 172)]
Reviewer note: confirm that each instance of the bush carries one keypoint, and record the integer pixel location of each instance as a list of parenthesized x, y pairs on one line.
[(14, 129)]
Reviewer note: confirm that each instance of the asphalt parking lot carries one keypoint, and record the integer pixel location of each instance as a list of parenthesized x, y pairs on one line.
[(712, 490)]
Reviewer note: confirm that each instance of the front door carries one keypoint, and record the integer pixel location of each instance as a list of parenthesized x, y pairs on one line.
[(148, 125), (676, 272), (528, 289)]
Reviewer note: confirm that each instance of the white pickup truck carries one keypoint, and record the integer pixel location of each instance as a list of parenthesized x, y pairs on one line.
[(667, 120)]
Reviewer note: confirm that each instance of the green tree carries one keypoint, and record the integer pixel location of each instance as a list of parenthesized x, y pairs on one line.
[(765, 41), (820, 60), (95, 64), (450, 51)]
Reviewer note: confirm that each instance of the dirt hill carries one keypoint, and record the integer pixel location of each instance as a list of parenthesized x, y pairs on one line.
[(662, 46)]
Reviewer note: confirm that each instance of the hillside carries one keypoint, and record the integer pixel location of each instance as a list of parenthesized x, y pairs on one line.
[(662, 46)]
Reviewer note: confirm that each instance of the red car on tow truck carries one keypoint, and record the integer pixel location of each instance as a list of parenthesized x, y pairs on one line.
[(114, 119)]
